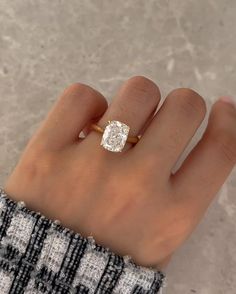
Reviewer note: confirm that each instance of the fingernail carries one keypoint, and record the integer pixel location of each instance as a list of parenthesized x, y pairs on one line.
[(228, 99)]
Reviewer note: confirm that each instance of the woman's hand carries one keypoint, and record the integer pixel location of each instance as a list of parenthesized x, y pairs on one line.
[(130, 202)]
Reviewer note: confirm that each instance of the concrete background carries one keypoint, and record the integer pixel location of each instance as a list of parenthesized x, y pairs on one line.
[(46, 45)]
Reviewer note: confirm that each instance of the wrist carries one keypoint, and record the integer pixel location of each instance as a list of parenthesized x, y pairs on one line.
[(43, 245)]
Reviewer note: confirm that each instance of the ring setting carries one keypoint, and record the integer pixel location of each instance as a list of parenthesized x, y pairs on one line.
[(115, 135)]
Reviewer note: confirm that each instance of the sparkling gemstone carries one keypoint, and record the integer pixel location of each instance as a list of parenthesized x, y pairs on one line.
[(115, 136)]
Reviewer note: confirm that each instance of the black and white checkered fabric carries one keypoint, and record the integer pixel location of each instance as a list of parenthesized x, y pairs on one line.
[(38, 255)]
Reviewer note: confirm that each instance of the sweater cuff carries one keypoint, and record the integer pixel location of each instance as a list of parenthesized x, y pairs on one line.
[(39, 255)]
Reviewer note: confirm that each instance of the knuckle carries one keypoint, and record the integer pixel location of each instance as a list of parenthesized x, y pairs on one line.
[(76, 88), (141, 80), (225, 140), (141, 89), (79, 91), (189, 102)]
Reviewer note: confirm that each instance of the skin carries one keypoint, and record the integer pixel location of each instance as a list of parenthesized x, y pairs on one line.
[(130, 201)]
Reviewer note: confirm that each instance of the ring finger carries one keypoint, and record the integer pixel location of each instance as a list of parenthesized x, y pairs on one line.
[(135, 102)]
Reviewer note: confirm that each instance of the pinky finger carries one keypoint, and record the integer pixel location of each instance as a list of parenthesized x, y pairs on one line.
[(211, 161)]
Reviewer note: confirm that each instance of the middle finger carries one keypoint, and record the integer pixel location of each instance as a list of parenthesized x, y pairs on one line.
[(172, 127)]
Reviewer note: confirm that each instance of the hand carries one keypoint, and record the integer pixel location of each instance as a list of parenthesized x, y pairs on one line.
[(131, 201)]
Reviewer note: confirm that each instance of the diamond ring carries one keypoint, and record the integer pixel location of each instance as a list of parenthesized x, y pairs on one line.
[(115, 135)]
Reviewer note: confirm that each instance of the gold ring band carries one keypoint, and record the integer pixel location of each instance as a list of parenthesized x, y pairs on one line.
[(132, 140)]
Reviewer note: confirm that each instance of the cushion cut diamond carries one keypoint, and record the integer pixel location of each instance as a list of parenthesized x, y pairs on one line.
[(115, 136)]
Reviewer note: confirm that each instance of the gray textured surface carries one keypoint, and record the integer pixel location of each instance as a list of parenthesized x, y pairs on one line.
[(46, 45)]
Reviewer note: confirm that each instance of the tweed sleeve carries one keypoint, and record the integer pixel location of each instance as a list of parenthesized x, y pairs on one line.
[(39, 255)]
